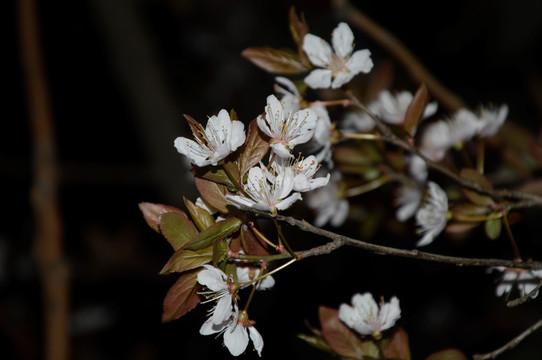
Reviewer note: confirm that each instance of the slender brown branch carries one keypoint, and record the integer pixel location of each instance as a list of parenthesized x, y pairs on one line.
[(525, 200), (338, 241), (48, 227), (391, 44), (509, 345), (525, 297)]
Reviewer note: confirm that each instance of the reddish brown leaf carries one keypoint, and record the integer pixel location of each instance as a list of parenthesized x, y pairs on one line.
[(151, 213), (181, 297), (213, 194), (339, 337), (196, 128), (398, 347), (253, 150), (177, 229), (184, 260), (275, 61), (415, 110), (298, 29), (214, 174)]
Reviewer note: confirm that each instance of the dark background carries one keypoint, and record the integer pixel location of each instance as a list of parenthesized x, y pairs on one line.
[(121, 74)]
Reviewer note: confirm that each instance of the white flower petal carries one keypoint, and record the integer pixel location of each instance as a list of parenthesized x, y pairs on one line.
[(257, 339), (342, 40), (318, 50), (319, 79), (223, 310), (236, 339), (286, 203), (213, 278), (360, 62), (197, 154), (281, 150)]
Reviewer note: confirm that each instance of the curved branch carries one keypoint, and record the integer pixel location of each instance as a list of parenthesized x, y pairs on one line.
[(338, 241), (509, 345)]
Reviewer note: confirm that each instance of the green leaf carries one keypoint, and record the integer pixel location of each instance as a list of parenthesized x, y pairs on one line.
[(219, 230), (415, 110), (449, 354), (181, 297), (213, 194), (316, 342), (151, 213), (200, 216), (184, 260), (214, 174), (220, 250), (275, 61), (253, 150), (177, 229), (474, 196), (397, 347), (339, 337), (493, 228)]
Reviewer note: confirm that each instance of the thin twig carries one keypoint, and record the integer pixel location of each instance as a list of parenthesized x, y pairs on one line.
[(48, 226), (524, 298), (339, 241), (509, 345)]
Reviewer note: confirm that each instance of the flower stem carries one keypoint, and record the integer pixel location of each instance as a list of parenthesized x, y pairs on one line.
[(478, 218), (361, 136), (252, 293), (282, 239), (343, 102), (262, 236), (362, 189), (269, 273), (480, 156), (511, 237)]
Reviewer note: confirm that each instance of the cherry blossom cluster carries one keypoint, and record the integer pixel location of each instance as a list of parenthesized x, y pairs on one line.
[(242, 169)]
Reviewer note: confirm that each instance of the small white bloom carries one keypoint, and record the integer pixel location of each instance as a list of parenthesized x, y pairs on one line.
[(289, 95), (339, 67), (267, 192), (329, 207), (525, 280), (219, 285), (432, 216), (492, 120), (392, 109), (237, 330), (249, 273), (408, 199), (365, 317), (436, 140), (357, 120), (304, 171), (285, 129), (220, 138), (322, 135)]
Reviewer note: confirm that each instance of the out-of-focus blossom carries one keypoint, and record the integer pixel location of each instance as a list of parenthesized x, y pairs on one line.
[(432, 217), (525, 280), (408, 200), (365, 316), (329, 207), (492, 119), (220, 138), (392, 108), (339, 65)]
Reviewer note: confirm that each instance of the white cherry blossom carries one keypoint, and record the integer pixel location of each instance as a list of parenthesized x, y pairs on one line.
[(328, 205), (525, 280), (236, 331), (365, 316), (220, 138), (286, 129), (392, 108), (492, 119), (249, 273), (408, 200), (266, 191), (220, 289), (339, 65), (289, 95), (432, 217)]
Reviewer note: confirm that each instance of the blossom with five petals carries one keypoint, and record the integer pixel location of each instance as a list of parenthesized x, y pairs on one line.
[(236, 330), (220, 138), (366, 318), (266, 191), (338, 65), (286, 129)]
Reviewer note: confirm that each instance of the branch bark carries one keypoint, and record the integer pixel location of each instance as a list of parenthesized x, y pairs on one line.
[(44, 198)]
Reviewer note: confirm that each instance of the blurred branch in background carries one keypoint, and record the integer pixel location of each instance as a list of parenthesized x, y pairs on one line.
[(44, 196)]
